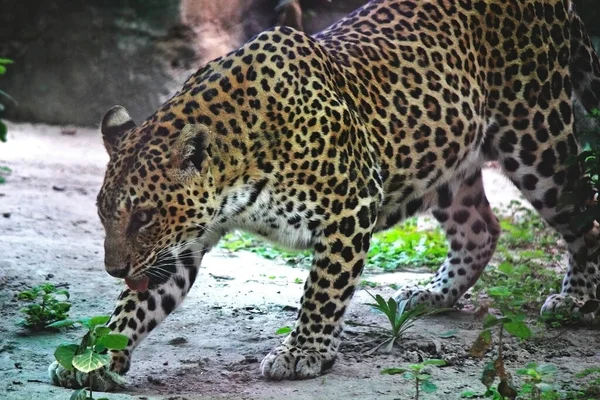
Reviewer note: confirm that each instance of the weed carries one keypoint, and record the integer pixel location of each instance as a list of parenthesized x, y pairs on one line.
[(238, 241), (528, 282), (416, 373), (407, 246), (399, 318), (522, 228), (46, 308), (4, 171), (590, 371), (91, 354), (284, 330), (404, 246), (585, 188), (539, 382), (512, 321), (366, 283)]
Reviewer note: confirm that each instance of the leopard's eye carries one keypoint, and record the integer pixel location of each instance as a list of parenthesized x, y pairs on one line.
[(141, 217)]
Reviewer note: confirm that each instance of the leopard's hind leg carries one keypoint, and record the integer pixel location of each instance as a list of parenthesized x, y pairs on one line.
[(472, 232)]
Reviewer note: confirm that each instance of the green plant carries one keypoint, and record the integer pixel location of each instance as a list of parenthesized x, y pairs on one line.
[(416, 373), (582, 194), (408, 246), (403, 246), (4, 171), (366, 283), (512, 321), (399, 317), (591, 390), (539, 382), (590, 371), (524, 229), (3, 63), (46, 308), (91, 353), (284, 330), (527, 281)]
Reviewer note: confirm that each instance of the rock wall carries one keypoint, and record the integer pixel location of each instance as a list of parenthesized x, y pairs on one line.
[(76, 58)]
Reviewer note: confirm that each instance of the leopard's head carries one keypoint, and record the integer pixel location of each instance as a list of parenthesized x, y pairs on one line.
[(157, 200)]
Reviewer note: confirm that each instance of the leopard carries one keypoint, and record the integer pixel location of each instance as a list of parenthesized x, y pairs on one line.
[(318, 142)]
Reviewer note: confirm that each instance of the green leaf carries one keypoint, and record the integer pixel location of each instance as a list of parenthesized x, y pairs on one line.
[(506, 268), (434, 362), (62, 324), (100, 331), (491, 320), (79, 394), (448, 334), (3, 132), (90, 361), (499, 291), (5, 61), (91, 322), (284, 330), (489, 374), (113, 341), (518, 329), (8, 96), (428, 387), (64, 355), (467, 394), (547, 369), (545, 387), (64, 292)]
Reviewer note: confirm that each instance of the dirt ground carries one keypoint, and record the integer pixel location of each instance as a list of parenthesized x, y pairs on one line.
[(210, 347)]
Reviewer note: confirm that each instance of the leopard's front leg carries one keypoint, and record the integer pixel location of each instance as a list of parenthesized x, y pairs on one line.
[(339, 257), (136, 315)]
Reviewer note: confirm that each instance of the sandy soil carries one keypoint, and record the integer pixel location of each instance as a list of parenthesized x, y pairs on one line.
[(211, 347)]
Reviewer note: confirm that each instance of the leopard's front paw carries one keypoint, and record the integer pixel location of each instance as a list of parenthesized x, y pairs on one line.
[(102, 380), (566, 306), (415, 295), (294, 362)]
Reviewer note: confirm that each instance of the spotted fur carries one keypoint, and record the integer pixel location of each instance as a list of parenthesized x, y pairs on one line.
[(318, 142)]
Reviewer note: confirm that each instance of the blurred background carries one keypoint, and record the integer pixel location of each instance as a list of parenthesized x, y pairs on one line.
[(73, 59)]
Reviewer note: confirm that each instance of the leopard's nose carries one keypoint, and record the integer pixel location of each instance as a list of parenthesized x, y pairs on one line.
[(118, 271)]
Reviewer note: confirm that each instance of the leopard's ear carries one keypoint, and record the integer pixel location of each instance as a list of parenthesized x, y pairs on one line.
[(189, 154), (115, 124)]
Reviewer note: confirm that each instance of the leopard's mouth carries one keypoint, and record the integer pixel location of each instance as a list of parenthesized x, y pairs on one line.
[(138, 284)]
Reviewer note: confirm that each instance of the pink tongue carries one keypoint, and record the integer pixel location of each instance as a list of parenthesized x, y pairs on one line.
[(139, 285)]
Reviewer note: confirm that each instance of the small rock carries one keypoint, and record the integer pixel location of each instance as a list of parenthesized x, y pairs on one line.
[(69, 132), (221, 277), (49, 276), (250, 359), (58, 188), (177, 341), (155, 381), (6, 215), (290, 308)]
